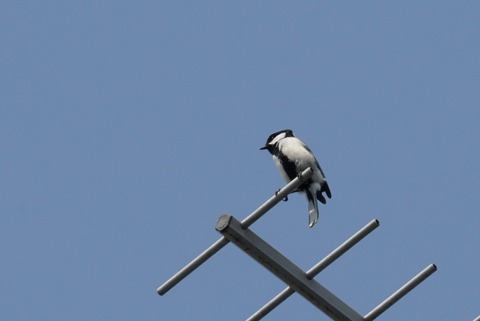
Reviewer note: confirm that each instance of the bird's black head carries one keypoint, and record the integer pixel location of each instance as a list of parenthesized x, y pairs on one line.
[(274, 138)]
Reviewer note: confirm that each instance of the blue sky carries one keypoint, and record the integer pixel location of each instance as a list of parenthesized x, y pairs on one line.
[(128, 128)]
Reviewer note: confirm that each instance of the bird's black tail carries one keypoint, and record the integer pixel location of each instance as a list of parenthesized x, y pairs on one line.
[(325, 188)]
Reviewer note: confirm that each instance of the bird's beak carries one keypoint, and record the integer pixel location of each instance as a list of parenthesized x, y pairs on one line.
[(264, 147)]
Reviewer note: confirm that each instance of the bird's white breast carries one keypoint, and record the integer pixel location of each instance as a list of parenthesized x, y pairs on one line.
[(298, 152), (295, 150)]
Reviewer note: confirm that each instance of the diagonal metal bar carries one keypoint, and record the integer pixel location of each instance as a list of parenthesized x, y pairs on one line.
[(320, 266), (400, 293), (249, 220), (286, 270)]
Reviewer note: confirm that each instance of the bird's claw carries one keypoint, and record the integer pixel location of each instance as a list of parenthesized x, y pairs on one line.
[(300, 176), (285, 198)]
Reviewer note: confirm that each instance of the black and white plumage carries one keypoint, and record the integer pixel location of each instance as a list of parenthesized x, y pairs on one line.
[(292, 157)]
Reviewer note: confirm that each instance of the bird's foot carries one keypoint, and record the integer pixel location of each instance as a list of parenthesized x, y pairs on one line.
[(300, 176), (286, 197)]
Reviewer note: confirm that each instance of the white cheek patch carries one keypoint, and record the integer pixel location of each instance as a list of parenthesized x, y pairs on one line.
[(277, 138)]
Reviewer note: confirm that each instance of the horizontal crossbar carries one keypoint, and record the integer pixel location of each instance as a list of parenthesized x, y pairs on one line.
[(285, 269)]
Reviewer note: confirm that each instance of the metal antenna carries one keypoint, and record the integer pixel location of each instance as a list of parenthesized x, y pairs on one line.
[(286, 270), (297, 280)]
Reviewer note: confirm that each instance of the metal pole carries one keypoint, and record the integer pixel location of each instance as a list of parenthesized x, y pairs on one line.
[(249, 220), (320, 266), (477, 318), (410, 285), (339, 251), (190, 267)]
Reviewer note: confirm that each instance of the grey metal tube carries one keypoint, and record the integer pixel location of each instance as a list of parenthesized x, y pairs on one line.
[(410, 285), (190, 267), (339, 251), (317, 268), (249, 220)]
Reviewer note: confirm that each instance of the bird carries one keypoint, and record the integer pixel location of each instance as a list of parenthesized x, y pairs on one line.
[(292, 157)]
